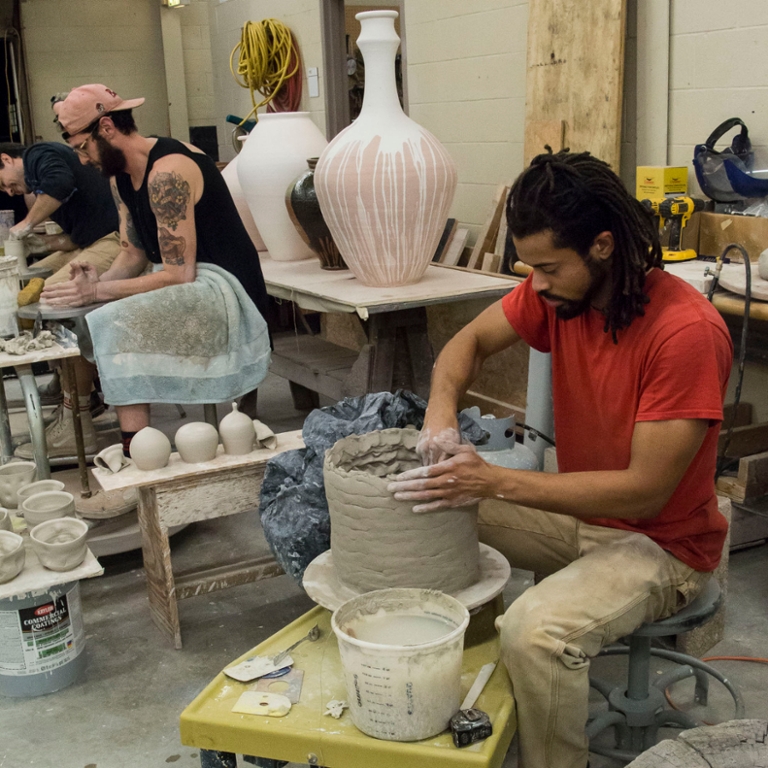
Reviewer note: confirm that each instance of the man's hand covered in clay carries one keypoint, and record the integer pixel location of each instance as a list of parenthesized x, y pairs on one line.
[(460, 480), (19, 231), (78, 291)]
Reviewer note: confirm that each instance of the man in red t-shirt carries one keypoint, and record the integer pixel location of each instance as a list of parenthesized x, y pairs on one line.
[(629, 529)]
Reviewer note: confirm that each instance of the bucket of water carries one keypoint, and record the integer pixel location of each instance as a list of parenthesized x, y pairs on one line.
[(401, 652)]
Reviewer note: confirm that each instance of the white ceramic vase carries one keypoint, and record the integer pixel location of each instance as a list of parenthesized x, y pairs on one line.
[(230, 177), (12, 555), (150, 449), (273, 155), (237, 433), (196, 442), (60, 545), (49, 505), (12, 477), (385, 184)]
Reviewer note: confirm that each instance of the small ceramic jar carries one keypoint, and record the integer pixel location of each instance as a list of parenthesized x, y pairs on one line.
[(60, 545), (237, 433), (49, 505), (12, 555), (150, 449), (39, 486), (197, 442), (12, 477)]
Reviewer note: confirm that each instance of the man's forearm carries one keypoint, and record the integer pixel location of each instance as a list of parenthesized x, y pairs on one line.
[(112, 289), (43, 207)]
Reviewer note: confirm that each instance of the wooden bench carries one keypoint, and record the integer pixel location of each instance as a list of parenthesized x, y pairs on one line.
[(180, 494)]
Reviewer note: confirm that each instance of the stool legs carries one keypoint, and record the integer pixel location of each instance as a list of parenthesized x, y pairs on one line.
[(6, 442), (210, 415), (74, 394), (35, 417)]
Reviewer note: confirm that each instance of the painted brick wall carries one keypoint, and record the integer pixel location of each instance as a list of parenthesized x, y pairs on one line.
[(466, 84), (115, 42), (198, 64), (718, 69)]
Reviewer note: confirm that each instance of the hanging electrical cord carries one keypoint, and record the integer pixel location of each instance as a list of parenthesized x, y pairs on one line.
[(722, 462), (268, 62)]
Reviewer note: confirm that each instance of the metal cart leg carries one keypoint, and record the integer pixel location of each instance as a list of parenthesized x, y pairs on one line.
[(85, 488), (6, 442), (35, 417)]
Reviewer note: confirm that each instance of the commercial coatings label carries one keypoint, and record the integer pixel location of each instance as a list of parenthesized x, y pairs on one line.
[(43, 637)]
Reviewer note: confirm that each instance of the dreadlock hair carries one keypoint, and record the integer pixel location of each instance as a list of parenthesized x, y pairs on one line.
[(576, 197)]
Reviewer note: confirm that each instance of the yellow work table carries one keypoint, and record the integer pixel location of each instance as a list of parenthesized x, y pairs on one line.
[(306, 735)]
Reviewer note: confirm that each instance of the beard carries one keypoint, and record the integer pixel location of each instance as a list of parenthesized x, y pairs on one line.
[(111, 159), (571, 308)]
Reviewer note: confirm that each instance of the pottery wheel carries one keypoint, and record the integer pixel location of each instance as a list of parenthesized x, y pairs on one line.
[(322, 583)]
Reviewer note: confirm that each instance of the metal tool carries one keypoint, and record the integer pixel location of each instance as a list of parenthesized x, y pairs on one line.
[(38, 325), (312, 635)]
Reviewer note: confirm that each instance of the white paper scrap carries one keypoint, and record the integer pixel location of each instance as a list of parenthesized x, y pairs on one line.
[(334, 708), (255, 667), (264, 704)]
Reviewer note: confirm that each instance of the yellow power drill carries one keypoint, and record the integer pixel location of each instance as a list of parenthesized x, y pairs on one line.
[(677, 211)]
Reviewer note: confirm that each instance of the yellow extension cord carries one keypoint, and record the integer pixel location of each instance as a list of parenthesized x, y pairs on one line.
[(264, 60)]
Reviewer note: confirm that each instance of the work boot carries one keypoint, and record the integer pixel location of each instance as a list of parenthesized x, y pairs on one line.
[(103, 505), (60, 435)]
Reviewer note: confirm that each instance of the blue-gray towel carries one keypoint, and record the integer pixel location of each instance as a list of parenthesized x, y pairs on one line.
[(199, 342)]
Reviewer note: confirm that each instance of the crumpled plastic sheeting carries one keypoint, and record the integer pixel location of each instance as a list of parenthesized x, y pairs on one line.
[(293, 508)]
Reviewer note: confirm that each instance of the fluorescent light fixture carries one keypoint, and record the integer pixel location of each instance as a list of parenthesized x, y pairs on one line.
[(175, 3)]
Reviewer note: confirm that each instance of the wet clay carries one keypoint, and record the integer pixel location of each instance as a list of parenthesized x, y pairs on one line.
[(377, 542)]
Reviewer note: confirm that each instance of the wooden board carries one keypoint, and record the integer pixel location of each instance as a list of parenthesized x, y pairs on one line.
[(455, 248), (486, 239), (745, 441), (751, 481), (445, 239), (540, 134), (575, 74)]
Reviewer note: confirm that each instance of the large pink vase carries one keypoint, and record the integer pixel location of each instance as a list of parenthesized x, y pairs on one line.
[(384, 184)]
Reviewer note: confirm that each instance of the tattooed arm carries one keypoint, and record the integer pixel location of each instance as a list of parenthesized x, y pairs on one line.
[(175, 185)]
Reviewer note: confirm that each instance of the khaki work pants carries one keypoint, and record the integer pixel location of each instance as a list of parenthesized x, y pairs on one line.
[(601, 584), (101, 254)]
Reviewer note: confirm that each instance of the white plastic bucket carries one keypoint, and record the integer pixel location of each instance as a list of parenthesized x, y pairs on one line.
[(401, 685)]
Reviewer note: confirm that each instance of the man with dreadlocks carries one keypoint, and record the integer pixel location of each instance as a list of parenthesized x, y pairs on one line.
[(629, 530)]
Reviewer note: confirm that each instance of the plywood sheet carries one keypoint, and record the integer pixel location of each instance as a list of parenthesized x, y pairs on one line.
[(575, 73)]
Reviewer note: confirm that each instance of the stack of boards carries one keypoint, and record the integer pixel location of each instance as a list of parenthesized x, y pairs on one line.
[(487, 254)]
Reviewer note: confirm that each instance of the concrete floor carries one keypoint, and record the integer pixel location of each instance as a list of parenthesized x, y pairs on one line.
[(124, 712)]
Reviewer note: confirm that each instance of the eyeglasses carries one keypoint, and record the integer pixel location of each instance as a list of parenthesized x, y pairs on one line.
[(91, 130)]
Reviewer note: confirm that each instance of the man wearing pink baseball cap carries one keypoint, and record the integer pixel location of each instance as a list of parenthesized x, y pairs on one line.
[(193, 329)]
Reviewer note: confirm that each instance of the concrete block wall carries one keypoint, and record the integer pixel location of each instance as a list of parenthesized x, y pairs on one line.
[(718, 69), (466, 84), (115, 42), (198, 64)]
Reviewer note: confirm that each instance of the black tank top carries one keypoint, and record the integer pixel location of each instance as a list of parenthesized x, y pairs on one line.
[(221, 236)]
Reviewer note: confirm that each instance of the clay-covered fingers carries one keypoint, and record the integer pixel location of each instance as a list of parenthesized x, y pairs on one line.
[(64, 295), (83, 269), (436, 445)]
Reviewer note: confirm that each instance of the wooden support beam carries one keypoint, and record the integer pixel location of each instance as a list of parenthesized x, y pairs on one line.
[(751, 481)]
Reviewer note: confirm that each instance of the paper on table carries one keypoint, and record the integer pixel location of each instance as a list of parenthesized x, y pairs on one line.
[(255, 667)]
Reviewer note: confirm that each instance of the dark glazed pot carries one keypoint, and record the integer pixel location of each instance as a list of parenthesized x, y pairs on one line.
[(304, 210)]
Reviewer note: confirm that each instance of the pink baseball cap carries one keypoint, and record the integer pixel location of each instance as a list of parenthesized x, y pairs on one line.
[(86, 104)]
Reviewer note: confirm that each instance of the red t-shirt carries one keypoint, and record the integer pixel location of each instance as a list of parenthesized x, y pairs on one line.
[(672, 363)]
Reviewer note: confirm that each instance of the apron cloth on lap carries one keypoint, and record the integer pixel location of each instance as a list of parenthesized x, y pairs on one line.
[(200, 342)]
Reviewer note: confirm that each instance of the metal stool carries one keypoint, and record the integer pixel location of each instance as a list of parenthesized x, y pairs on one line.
[(637, 711)]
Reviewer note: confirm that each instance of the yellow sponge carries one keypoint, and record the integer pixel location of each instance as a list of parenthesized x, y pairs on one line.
[(29, 295)]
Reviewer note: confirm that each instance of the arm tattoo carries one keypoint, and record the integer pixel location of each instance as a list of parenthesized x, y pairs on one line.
[(132, 233), (171, 247), (169, 196)]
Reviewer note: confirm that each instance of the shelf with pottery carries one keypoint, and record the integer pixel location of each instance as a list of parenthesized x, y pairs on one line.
[(181, 493)]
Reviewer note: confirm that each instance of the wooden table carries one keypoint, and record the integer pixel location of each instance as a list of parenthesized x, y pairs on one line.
[(182, 493), (397, 353)]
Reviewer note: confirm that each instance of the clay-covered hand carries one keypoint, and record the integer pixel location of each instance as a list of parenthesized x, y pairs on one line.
[(437, 443), (461, 480), (19, 231), (78, 291)]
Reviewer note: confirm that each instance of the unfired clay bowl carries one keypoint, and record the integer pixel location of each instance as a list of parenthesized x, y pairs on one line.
[(39, 486), (49, 505), (237, 433), (6, 524), (60, 545), (11, 555), (196, 442), (150, 449), (12, 477)]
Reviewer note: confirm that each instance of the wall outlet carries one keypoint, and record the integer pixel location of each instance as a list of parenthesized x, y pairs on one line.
[(312, 84)]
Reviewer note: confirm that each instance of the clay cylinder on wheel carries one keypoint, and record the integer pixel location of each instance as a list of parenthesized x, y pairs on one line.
[(378, 542)]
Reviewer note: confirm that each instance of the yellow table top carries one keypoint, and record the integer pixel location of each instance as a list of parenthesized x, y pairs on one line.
[(209, 723)]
